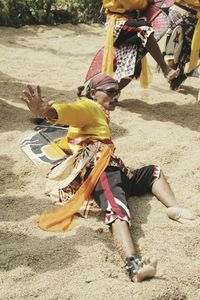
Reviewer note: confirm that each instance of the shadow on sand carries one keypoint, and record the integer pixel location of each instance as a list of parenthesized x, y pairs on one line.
[(186, 115)]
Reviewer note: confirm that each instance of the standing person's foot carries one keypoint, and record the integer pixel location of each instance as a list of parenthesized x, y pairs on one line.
[(170, 73), (141, 269), (176, 82)]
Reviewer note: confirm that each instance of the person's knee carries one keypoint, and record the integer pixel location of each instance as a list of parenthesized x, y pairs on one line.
[(119, 222)]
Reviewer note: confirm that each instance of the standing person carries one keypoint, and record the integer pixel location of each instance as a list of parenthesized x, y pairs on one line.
[(132, 37), (93, 169), (183, 38)]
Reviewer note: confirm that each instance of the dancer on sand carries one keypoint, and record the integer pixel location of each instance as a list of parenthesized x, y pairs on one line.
[(92, 168), (132, 37)]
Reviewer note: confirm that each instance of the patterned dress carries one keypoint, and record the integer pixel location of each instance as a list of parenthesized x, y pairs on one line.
[(129, 52)]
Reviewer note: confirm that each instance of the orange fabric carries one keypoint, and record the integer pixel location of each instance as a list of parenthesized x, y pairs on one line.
[(60, 219)]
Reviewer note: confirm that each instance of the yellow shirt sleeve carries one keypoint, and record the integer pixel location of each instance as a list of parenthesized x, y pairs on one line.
[(124, 5), (76, 114), (195, 3)]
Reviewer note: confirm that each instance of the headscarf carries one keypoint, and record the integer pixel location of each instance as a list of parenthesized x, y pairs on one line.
[(99, 80)]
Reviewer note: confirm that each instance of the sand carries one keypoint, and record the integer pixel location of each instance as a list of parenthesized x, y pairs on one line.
[(150, 126)]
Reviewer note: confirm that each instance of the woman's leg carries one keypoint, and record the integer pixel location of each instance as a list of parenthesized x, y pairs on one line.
[(124, 82)]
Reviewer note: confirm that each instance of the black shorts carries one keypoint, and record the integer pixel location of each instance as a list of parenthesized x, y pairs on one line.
[(114, 187)]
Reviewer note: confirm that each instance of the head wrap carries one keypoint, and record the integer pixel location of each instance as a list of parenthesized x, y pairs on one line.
[(99, 80)]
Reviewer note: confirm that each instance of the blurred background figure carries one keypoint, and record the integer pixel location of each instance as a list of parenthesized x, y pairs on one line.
[(183, 39)]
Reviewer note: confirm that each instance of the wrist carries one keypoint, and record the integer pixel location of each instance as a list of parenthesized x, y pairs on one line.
[(51, 114)]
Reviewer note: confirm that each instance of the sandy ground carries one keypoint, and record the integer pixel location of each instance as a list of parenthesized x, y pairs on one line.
[(150, 126)]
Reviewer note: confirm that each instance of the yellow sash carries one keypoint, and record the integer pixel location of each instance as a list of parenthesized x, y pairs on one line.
[(195, 46), (60, 219)]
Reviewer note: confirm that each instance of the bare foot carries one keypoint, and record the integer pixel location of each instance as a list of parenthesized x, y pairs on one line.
[(147, 269), (141, 269), (170, 73), (180, 214)]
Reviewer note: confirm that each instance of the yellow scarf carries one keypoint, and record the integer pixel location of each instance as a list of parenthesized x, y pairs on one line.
[(60, 219), (107, 65), (195, 46)]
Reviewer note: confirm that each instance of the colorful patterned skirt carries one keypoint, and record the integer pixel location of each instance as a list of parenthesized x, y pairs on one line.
[(130, 39)]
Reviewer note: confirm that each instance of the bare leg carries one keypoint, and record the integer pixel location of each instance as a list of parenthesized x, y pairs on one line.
[(164, 194), (154, 50), (124, 82), (123, 239), (138, 270)]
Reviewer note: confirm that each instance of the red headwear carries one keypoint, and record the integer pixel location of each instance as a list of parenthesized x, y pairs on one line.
[(101, 79)]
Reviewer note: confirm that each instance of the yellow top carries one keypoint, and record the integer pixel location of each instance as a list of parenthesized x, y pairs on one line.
[(195, 3), (122, 6), (88, 122)]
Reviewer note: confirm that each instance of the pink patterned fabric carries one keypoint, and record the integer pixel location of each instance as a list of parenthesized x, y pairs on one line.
[(101, 79)]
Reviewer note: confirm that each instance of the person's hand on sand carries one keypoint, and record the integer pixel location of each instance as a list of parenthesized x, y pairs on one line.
[(35, 102)]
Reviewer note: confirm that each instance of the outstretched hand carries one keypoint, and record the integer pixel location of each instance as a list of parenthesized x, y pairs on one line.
[(35, 103)]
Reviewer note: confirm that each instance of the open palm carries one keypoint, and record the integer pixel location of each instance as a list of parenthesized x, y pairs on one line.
[(34, 101)]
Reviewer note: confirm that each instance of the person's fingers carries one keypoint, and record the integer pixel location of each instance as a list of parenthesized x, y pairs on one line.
[(38, 91), (25, 100), (29, 87), (27, 95)]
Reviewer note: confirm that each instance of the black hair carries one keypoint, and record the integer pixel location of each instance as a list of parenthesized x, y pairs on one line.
[(81, 88)]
